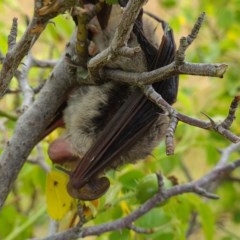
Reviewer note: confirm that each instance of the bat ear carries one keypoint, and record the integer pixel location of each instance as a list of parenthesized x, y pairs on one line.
[(92, 190)]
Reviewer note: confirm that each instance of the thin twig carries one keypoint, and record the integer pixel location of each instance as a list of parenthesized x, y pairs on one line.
[(17, 51), (44, 63), (27, 91), (12, 37), (185, 42), (225, 153), (231, 114), (140, 229), (40, 160)]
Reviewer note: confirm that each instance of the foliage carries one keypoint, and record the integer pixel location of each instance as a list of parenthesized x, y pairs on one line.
[(111, 1), (24, 214)]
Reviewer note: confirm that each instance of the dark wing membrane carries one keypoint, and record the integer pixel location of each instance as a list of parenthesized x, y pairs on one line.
[(134, 117), (160, 57)]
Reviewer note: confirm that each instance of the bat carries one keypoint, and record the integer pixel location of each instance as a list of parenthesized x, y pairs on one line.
[(112, 124)]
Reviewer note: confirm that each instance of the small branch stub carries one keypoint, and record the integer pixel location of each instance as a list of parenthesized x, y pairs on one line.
[(12, 37)]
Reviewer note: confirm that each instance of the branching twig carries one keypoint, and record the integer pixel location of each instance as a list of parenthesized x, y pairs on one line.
[(179, 66), (164, 194), (117, 45), (27, 91), (212, 185), (160, 74), (32, 124), (175, 117), (18, 50), (185, 42)]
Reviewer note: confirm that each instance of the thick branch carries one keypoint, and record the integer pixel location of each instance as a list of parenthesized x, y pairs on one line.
[(32, 124), (160, 74)]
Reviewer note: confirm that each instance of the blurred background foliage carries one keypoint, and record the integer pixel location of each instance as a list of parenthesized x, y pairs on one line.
[(184, 217)]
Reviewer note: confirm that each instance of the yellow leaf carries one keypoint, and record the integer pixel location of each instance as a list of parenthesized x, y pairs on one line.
[(54, 135), (59, 201), (125, 208), (90, 208)]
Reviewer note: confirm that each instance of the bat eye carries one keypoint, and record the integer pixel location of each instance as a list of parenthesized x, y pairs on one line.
[(92, 190)]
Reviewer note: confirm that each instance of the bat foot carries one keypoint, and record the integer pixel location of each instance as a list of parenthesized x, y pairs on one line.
[(92, 190)]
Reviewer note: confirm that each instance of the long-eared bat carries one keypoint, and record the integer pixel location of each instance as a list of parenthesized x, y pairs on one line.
[(113, 123)]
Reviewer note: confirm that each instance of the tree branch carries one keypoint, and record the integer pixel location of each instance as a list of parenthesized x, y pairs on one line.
[(178, 66), (27, 91), (176, 116), (164, 194), (160, 74), (32, 124), (118, 42), (17, 51)]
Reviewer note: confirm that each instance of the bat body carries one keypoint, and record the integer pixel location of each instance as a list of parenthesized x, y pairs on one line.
[(111, 124)]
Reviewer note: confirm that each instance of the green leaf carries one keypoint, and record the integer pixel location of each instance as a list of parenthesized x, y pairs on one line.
[(130, 178), (154, 218), (111, 1), (122, 234), (207, 220)]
